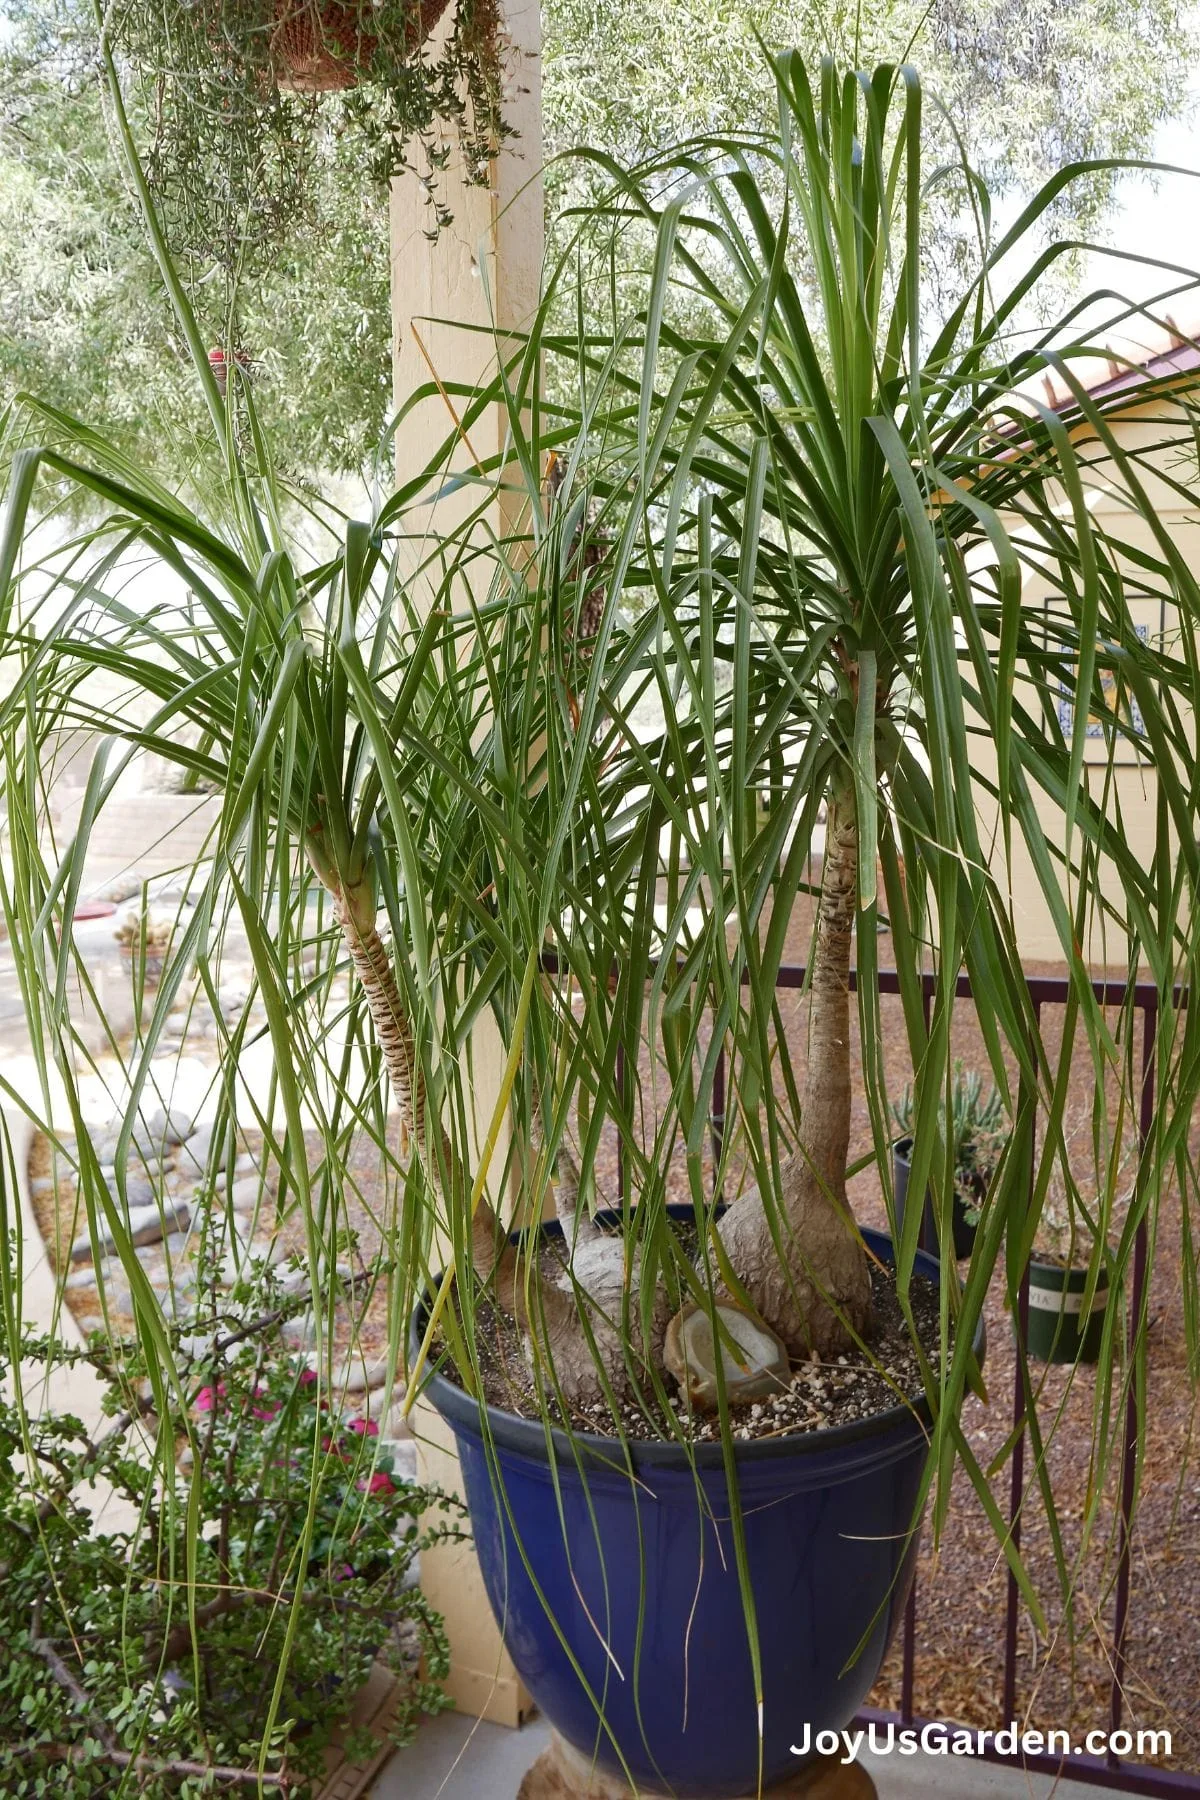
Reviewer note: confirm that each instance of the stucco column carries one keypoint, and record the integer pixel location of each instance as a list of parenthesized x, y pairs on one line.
[(481, 274), (450, 297)]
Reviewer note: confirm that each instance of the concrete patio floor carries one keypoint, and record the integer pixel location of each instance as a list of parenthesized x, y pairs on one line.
[(459, 1758)]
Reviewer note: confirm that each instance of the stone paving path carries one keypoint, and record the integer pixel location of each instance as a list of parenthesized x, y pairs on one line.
[(172, 1193)]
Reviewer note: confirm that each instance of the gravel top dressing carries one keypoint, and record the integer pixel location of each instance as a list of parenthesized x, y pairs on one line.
[(856, 1386)]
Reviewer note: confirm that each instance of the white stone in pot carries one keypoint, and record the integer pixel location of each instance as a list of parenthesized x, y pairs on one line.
[(754, 1362)]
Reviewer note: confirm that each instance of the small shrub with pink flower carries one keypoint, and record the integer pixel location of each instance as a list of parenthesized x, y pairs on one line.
[(304, 1576)]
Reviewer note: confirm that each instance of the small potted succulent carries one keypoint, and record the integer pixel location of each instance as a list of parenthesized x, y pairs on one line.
[(979, 1132), (145, 939), (1064, 1326)]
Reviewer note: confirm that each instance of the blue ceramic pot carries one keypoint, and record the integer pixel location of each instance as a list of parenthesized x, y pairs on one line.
[(613, 1578)]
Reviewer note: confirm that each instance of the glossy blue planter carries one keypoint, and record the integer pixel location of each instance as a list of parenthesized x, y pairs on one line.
[(637, 1570)]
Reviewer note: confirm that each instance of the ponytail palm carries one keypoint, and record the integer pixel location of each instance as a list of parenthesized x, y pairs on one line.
[(796, 512)]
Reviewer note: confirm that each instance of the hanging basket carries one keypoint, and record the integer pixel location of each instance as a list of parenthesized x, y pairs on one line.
[(219, 362), (324, 46)]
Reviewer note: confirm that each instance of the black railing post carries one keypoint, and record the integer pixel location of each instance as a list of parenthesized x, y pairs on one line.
[(717, 1120), (1016, 1496), (1132, 1399)]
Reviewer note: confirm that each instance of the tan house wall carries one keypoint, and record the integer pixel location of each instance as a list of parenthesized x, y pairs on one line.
[(1133, 794)]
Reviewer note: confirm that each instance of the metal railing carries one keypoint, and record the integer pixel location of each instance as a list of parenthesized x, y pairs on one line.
[(1112, 1771)]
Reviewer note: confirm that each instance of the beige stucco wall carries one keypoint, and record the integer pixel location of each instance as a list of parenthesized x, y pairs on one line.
[(457, 302), (1132, 795), (455, 298)]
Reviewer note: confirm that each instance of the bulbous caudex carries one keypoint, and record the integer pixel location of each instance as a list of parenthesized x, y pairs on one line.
[(799, 1271)]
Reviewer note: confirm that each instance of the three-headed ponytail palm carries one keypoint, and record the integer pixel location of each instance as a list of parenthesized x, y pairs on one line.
[(810, 514)]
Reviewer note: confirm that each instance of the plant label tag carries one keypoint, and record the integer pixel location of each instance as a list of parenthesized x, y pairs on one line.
[(1056, 1300)]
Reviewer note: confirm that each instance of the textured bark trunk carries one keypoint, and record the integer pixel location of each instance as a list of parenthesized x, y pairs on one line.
[(556, 1325), (373, 966), (801, 1261)]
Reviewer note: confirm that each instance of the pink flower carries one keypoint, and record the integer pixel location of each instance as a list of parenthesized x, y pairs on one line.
[(308, 1378), (345, 1573), (207, 1398), (379, 1483), (363, 1427), (262, 1412)]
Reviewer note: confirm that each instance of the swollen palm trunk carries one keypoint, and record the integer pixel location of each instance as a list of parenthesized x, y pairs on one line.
[(801, 1261)]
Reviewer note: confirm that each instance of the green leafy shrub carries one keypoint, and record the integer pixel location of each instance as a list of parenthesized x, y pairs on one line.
[(129, 1671)]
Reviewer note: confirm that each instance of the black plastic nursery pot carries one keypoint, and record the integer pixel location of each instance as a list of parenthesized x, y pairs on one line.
[(1056, 1332), (964, 1230), (613, 1573)]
